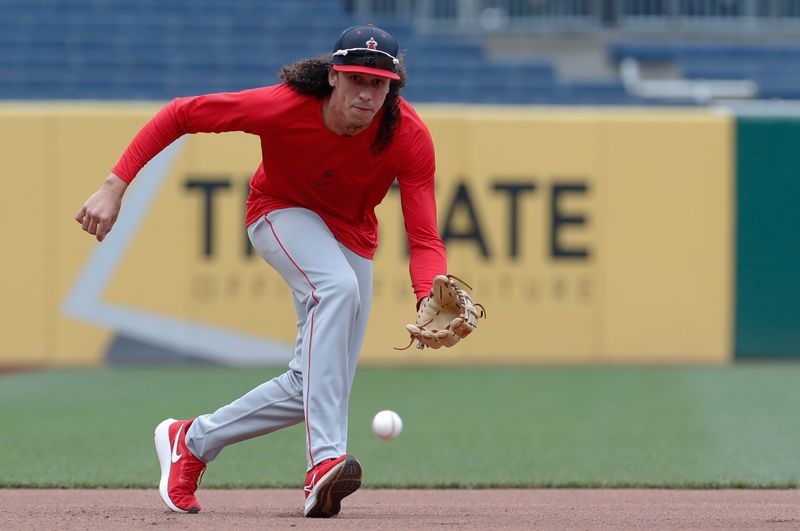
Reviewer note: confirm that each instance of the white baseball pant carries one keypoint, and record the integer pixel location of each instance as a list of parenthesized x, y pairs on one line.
[(332, 292)]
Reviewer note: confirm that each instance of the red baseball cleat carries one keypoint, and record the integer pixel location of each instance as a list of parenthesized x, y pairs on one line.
[(180, 470), (329, 482)]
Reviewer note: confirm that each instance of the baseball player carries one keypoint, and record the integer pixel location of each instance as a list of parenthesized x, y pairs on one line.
[(335, 134)]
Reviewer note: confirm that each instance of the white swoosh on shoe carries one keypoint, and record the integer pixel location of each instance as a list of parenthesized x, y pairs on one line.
[(310, 486), (175, 455)]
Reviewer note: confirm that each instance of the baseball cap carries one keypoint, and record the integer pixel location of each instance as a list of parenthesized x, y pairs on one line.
[(368, 50)]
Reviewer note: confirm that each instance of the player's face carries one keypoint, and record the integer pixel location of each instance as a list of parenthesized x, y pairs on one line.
[(357, 97)]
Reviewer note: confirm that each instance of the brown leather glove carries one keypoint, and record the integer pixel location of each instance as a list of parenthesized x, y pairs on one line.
[(445, 317)]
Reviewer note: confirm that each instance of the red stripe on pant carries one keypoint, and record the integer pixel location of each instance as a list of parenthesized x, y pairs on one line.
[(310, 335)]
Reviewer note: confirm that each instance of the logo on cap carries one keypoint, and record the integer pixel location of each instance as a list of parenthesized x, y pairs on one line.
[(372, 44)]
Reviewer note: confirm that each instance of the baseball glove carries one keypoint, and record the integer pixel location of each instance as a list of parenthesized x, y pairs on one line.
[(445, 317)]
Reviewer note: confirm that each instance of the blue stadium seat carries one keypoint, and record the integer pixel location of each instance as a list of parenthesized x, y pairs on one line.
[(775, 68), (160, 49)]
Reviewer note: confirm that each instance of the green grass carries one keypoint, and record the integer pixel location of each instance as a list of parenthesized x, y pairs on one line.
[(666, 427)]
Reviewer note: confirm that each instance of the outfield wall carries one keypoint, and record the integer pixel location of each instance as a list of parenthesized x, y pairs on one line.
[(589, 235)]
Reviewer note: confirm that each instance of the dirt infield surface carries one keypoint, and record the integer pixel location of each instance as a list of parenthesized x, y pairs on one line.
[(409, 509)]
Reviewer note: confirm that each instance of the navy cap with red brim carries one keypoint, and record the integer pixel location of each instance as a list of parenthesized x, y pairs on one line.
[(367, 50)]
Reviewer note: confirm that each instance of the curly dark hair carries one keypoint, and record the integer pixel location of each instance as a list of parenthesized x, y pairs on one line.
[(310, 76)]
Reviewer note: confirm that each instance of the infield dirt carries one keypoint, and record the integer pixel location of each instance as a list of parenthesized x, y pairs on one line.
[(409, 509)]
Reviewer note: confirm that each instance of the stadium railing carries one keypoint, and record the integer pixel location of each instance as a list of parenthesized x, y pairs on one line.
[(469, 16)]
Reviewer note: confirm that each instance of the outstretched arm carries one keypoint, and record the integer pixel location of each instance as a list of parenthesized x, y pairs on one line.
[(211, 113), (427, 252)]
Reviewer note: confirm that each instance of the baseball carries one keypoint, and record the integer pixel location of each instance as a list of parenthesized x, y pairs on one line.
[(387, 425)]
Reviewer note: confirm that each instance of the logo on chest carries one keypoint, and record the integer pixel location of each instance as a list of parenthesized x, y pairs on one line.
[(325, 179)]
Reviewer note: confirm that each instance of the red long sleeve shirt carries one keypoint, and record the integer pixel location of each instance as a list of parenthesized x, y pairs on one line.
[(304, 164)]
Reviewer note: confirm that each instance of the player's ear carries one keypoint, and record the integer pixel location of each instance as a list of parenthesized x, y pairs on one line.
[(332, 77)]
